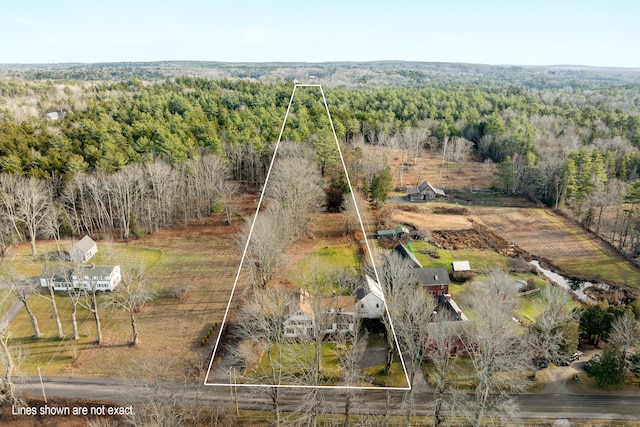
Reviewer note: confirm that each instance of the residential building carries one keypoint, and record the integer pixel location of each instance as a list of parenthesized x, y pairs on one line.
[(301, 322), (100, 278)]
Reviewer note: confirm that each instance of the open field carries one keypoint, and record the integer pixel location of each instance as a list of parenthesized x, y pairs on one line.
[(539, 232), (201, 260)]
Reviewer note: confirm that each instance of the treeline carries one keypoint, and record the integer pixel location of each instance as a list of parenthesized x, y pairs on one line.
[(136, 199), (126, 122), (571, 146)]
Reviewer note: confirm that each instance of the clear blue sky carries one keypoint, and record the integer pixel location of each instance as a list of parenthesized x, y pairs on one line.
[(524, 32)]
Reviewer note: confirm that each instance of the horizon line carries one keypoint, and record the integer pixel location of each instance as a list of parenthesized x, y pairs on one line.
[(376, 61)]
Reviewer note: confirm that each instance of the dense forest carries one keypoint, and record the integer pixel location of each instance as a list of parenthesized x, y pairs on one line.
[(567, 138)]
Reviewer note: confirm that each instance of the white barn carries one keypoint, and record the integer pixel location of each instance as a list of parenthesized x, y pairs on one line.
[(370, 300), (83, 250), (104, 278)]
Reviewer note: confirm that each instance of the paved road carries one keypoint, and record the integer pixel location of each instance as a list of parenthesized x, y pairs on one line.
[(532, 406)]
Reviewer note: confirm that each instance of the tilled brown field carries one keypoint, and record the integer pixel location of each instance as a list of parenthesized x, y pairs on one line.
[(539, 232)]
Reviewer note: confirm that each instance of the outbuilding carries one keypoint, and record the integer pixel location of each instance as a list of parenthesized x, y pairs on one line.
[(83, 250)]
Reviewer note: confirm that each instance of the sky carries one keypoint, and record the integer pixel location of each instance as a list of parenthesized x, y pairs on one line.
[(514, 32)]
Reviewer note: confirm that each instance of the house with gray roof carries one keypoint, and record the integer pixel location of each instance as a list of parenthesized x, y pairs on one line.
[(98, 278), (433, 280)]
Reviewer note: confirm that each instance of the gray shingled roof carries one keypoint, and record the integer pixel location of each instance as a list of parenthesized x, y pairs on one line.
[(85, 244), (431, 276), (407, 255)]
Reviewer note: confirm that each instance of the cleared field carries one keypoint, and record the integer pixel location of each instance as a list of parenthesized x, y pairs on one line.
[(560, 241), (541, 233), (439, 221), (201, 260)]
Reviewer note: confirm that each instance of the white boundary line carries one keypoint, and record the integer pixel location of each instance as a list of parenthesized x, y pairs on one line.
[(246, 246)]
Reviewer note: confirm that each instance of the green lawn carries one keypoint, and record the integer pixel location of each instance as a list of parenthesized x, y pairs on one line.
[(343, 256), (297, 360), (395, 378), (603, 267), (51, 354), (480, 259)]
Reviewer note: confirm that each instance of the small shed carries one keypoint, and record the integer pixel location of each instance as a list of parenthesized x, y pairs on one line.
[(460, 266), (392, 233), (83, 250)]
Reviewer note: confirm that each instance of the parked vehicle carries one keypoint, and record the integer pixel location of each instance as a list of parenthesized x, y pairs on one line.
[(576, 356)]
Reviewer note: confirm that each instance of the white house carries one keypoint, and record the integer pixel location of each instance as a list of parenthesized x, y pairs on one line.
[(102, 278), (370, 300), (83, 250)]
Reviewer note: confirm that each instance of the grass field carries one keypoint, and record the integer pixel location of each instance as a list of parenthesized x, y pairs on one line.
[(202, 260)]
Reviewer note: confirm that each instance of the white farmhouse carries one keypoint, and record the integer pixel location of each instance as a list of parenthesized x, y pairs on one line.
[(83, 250), (99, 278)]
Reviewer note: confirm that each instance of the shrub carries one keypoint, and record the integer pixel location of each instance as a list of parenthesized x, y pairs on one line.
[(463, 276)]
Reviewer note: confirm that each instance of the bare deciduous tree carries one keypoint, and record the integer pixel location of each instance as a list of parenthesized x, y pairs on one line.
[(162, 180), (22, 289), (395, 275), (625, 332), (458, 150), (125, 189), (443, 338), (411, 309), (26, 202), (228, 192), (496, 349), (260, 332), (89, 300), (131, 295), (51, 225), (8, 391), (264, 251), (547, 337), (49, 274), (295, 187)]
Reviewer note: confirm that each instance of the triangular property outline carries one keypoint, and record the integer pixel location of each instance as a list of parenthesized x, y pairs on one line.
[(246, 246)]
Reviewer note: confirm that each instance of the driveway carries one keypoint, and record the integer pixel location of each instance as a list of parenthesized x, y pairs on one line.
[(555, 378)]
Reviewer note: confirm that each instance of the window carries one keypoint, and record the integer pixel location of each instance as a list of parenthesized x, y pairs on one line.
[(377, 305)]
